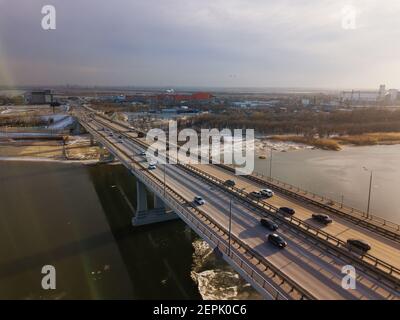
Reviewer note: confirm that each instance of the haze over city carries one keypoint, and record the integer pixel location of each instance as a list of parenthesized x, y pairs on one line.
[(201, 43), (242, 151)]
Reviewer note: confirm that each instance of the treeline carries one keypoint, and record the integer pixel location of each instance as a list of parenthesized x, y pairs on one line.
[(304, 122), (15, 100), (23, 121)]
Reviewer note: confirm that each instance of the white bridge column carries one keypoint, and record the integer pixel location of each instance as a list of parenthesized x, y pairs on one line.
[(105, 156), (144, 215), (141, 197), (158, 203)]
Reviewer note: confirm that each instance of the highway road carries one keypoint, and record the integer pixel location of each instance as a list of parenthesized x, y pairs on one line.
[(309, 266)]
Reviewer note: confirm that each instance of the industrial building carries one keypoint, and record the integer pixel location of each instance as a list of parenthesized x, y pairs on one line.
[(370, 97), (38, 97)]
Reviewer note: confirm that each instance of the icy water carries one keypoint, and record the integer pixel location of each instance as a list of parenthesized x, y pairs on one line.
[(77, 219), (342, 174)]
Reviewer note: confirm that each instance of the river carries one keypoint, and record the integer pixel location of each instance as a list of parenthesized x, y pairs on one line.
[(77, 219), (344, 174)]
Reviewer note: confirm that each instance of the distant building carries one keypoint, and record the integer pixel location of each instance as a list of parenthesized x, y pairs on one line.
[(364, 96), (173, 98), (393, 95), (360, 96), (382, 91), (39, 97), (254, 104)]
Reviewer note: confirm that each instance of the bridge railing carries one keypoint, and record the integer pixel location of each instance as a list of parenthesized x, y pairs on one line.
[(371, 265), (233, 255), (384, 227), (378, 224), (332, 202), (367, 262)]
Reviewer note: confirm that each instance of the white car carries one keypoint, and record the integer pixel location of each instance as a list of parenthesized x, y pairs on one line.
[(142, 153), (199, 200), (152, 167), (267, 193)]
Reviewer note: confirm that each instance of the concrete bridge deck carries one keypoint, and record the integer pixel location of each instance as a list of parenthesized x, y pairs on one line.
[(305, 266)]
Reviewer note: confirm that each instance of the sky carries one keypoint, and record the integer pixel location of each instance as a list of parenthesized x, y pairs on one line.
[(205, 43)]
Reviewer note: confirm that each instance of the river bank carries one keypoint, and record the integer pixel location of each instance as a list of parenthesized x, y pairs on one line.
[(336, 143), (77, 219), (73, 149)]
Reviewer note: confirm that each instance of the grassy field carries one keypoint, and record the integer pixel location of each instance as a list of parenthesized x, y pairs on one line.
[(50, 150), (325, 144), (367, 139)]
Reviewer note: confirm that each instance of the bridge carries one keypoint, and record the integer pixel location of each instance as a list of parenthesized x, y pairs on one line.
[(311, 265)]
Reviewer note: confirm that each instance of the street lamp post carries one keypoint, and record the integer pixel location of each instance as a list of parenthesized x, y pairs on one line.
[(230, 226), (369, 194), (165, 169), (370, 191), (270, 164)]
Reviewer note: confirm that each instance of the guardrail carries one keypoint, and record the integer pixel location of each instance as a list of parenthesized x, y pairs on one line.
[(359, 217), (382, 226), (236, 258), (371, 265)]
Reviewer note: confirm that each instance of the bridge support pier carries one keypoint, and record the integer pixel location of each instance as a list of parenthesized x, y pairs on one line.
[(141, 197), (145, 216), (158, 203), (105, 156)]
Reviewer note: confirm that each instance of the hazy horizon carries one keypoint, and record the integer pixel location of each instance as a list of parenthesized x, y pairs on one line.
[(258, 44)]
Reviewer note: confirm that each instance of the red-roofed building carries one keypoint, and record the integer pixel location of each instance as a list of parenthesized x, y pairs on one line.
[(199, 96)]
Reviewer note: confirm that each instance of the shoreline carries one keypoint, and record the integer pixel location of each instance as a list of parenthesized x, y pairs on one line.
[(336, 143), (35, 159)]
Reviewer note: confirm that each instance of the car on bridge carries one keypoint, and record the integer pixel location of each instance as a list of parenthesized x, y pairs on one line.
[(229, 183), (359, 244), (152, 167), (322, 218), (199, 200), (267, 193), (269, 224), (277, 240), (256, 195), (287, 210)]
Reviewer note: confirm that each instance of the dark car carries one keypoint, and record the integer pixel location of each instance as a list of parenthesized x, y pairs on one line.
[(230, 183), (256, 194), (322, 218), (269, 224), (277, 240), (359, 244), (287, 210)]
